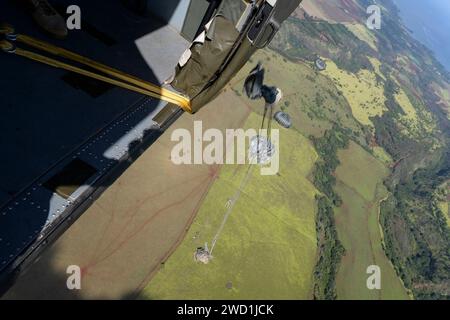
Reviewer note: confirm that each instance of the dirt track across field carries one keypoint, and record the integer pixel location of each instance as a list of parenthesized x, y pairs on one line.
[(129, 232)]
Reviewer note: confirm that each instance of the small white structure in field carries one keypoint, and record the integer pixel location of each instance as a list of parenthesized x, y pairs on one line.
[(202, 254)]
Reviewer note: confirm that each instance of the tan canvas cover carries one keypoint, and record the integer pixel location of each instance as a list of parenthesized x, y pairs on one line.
[(206, 58), (197, 75)]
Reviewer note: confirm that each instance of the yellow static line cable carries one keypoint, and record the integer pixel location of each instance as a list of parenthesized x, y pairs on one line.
[(145, 87), (96, 65), (65, 66)]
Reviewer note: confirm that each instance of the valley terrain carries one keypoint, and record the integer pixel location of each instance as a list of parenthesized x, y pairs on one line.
[(364, 172)]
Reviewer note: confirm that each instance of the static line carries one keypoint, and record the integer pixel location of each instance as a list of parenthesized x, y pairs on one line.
[(236, 196)]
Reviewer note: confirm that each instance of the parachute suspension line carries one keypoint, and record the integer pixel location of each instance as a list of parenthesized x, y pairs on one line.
[(269, 130), (234, 199), (269, 107), (57, 64), (254, 89)]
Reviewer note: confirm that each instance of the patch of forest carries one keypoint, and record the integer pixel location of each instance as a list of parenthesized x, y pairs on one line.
[(416, 236), (330, 249), (304, 39)]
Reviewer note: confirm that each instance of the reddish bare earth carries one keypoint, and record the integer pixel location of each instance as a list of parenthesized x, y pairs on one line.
[(342, 11), (134, 226)]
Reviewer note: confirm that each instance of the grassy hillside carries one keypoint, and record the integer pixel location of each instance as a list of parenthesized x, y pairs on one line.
[(311, 99), (378, 129), (303, 39), (362, 90), (363, 34), (267, 248), (360, 186)]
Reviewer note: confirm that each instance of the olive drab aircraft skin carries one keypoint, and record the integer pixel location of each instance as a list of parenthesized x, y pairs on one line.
[(227, 42)]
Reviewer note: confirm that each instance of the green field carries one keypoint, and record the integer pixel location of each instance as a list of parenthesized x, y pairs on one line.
[(267, 248), (444, 207), (409, 110), (382, 155), (311, 99), (376, 64), (416, 122), (364, 94), (360, 186), (444, 94), (363, 33)]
